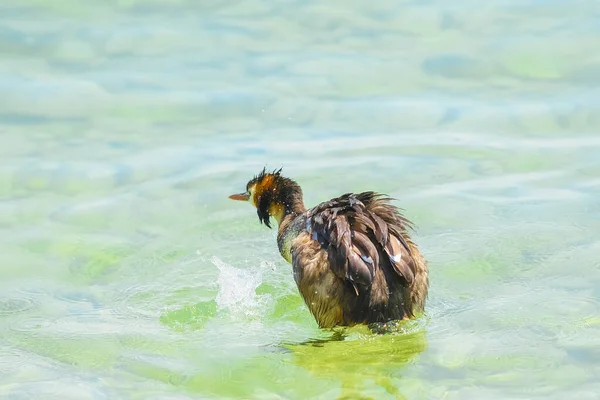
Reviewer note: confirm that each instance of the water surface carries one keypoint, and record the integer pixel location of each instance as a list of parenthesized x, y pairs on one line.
[(126, 272)]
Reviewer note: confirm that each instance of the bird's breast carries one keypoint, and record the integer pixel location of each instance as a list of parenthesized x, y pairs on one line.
[(288, 231)]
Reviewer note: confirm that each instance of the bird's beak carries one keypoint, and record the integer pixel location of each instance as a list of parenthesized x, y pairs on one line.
[(240, 196)]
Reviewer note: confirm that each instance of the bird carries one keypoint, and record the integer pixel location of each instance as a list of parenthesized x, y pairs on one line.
[(353, 259)]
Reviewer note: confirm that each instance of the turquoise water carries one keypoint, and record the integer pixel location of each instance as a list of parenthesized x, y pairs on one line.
[(127, 273)]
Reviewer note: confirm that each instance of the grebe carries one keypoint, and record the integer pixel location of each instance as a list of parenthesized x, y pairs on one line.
[(353, 259)]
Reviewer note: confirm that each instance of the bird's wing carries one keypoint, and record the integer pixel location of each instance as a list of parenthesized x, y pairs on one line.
[(362, 233)]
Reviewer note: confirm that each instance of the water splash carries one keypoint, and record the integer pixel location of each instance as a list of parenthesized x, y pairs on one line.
[(237, 290)]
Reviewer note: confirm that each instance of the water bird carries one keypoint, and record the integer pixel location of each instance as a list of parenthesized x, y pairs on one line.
[(352, 257)]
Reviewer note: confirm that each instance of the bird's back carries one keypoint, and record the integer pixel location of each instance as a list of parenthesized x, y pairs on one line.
[(354, 261)]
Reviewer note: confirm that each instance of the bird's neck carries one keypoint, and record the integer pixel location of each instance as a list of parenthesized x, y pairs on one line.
[(290, 226), (286, 208)]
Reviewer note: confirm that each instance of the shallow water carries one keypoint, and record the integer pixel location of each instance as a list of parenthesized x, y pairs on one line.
[(126, 272)]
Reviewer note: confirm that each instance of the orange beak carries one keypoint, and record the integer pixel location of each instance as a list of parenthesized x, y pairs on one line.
[(240, 196)]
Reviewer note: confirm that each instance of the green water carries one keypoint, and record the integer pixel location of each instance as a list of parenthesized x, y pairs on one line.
[(127, 273)]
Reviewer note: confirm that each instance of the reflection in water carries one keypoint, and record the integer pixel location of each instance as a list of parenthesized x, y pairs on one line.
[(356, 356)]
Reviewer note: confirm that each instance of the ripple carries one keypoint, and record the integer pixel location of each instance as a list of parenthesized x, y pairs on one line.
[(157, 368), (12, 359), (581, 304), (142, 341), (31, 324), (16, 305), (79, 299), (190, 316), (139, 301), (97, 264), (70, 387)]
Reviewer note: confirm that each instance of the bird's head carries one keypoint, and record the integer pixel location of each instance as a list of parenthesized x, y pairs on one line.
[(272, 195)]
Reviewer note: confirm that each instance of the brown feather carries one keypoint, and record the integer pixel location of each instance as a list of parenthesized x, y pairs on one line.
[(367, 250), (400, 259)]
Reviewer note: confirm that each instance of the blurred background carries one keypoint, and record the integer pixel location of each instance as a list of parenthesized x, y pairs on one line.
[(124, 125)]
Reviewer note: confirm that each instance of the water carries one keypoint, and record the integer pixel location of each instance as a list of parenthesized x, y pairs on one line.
[(126, 272)]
